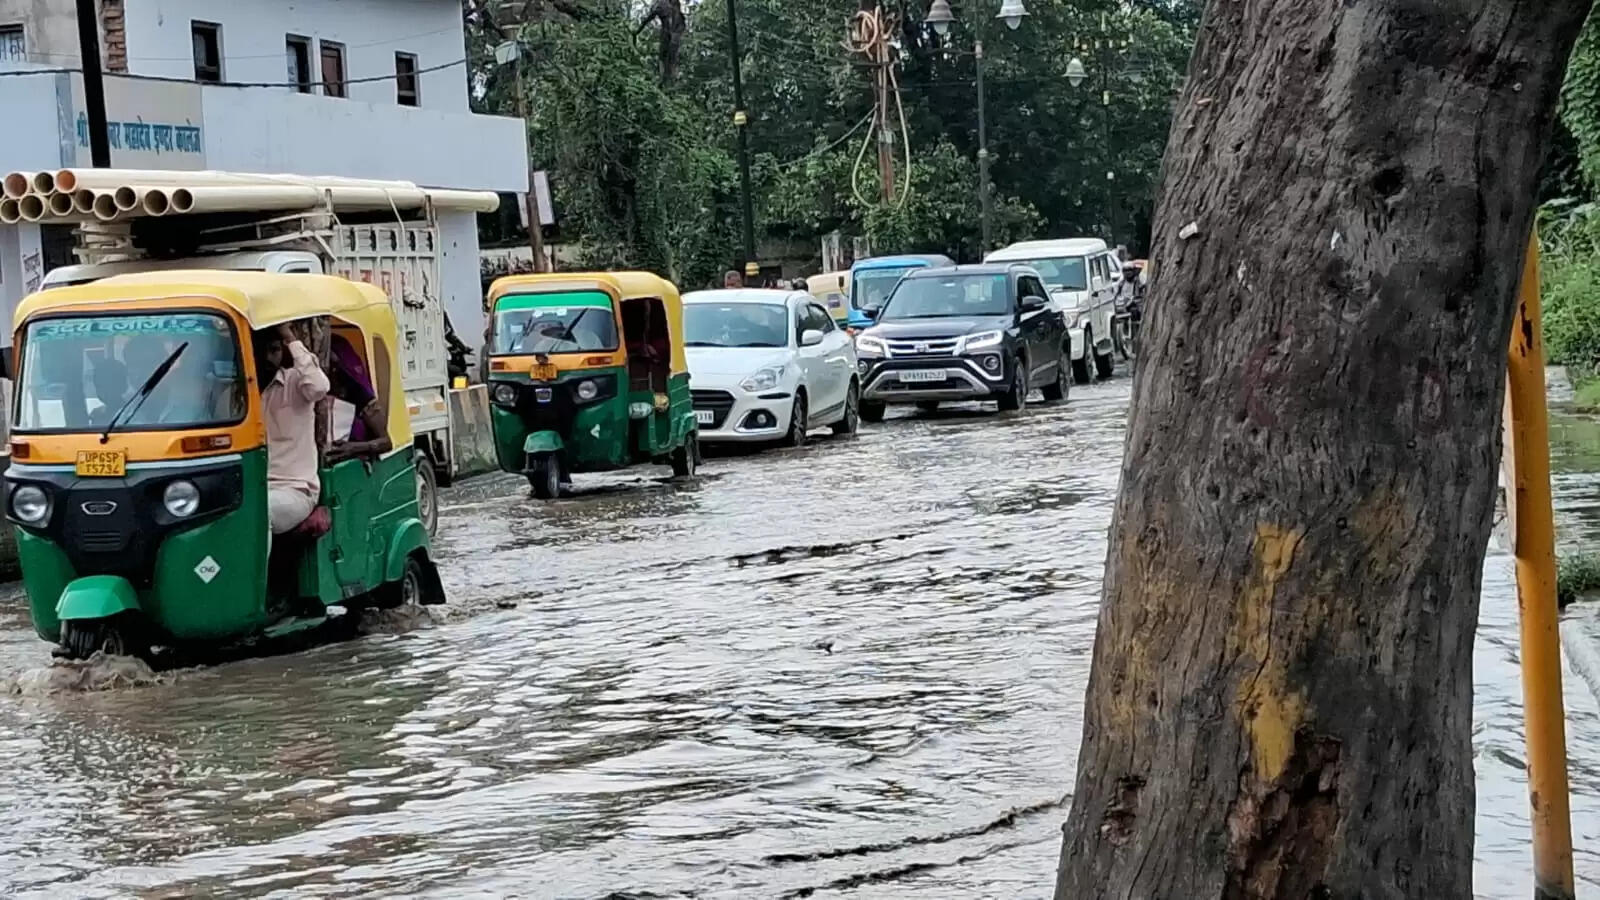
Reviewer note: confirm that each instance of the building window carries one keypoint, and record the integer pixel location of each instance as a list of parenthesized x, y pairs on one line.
[(207, 51), (333, 70), (298, 51), (13, 46), (405, 79)]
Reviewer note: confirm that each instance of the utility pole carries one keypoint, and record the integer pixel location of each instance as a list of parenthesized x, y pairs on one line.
[(880, 56), (94, 89), (741, 122), (535, 224), (985, 200)]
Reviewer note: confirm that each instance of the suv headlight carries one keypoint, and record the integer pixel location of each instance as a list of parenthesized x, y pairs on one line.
[(980, 341), (866, 343), (763, 380), (30, 504)]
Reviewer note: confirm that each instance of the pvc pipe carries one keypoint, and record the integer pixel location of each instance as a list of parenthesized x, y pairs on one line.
[(17, 184), (472, 201), (43, 183), (60, 204), (105, 208), (32, 207), (222, 198), (83, 201), (154, 201), (110, 179), (9, 214)]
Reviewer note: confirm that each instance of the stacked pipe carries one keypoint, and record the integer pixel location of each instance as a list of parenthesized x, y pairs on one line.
[(109, 195)]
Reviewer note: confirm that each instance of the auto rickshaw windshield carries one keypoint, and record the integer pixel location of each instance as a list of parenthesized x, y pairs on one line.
[(565, 322), (78, 371)]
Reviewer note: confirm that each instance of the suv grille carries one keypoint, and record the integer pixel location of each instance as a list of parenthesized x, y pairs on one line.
[(940, 346)]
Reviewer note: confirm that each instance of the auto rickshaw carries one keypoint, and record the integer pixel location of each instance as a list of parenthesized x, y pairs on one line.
[(832, 290), (587, 374), (138, 481)]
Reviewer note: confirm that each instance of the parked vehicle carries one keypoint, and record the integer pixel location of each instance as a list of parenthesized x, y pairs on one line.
[(587, 373), (832, 290), (1084, 281), (768, 366), (871, 281), (138, 481), (985, 332)]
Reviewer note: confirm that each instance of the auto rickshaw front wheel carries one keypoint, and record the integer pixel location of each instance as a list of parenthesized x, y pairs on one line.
[(545, 476), (83, 638), (686, 459)]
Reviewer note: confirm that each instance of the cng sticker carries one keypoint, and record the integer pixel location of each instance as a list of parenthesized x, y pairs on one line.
[(207, 569)]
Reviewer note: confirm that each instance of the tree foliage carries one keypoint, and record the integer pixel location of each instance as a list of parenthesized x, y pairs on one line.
[(633, 119)]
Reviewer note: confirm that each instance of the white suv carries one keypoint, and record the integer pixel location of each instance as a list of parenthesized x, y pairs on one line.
[(768, 366), (1084, 279)]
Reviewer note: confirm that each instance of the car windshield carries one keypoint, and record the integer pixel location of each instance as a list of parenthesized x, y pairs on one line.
[(1062, 273), (948, 296), (566, 322), (735, 325), (78, 372), (872, 286)]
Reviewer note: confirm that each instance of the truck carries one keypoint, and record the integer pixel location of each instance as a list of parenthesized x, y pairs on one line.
[(396, 251)]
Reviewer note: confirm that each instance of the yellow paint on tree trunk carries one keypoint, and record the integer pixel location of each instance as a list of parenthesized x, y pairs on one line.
[(1269, 711)]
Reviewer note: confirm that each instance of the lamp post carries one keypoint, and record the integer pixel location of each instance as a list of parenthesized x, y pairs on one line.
[(510, 53), (1012, 12)]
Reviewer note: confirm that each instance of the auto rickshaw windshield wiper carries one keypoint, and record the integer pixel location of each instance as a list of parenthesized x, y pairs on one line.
[(143, 393)]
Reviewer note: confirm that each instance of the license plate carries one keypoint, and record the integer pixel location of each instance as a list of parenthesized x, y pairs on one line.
[(546, 372), (542, 395), (922, 375), (102, 463), (704, 416)]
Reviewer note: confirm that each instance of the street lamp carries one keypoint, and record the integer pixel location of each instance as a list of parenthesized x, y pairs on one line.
[(1075, 72), (1012, 12), (940, 17)]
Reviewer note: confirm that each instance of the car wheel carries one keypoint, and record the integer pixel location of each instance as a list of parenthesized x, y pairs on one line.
[(797, 422), (546, 476), (1080, 367), (852, 412), (1105, 364), (1056, 391), (1016, 395), (872, 411)]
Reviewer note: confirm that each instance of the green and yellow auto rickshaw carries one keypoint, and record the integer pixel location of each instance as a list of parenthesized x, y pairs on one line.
[(587, 374), (138, 481)]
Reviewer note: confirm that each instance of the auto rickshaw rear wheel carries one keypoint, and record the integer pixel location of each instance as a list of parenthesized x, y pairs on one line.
[(418, 586), (545, 478), (686, 459), (427, 491), (82, 639)]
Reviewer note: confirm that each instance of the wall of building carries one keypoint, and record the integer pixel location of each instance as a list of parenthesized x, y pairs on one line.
[(254, 33), (49, 28), (458, 273)]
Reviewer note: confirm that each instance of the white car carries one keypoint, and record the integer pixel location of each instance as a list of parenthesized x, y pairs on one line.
[(768, 366), (1085, 281)]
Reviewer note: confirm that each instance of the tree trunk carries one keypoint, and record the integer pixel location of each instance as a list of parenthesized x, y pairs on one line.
[(1281, 699)]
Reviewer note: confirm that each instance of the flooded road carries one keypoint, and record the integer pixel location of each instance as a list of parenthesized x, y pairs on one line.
[(855, 670)]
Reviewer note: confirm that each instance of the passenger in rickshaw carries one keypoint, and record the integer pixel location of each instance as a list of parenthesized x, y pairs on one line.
[(367, 436), (292, 384)]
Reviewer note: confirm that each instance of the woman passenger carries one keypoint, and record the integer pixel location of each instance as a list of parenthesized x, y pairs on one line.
[(368, 437)]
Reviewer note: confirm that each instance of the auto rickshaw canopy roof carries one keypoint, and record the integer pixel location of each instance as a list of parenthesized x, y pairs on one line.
[(264, 299), (621, 286)]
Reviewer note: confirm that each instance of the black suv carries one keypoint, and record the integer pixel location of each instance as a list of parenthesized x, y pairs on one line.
[(964, 333)]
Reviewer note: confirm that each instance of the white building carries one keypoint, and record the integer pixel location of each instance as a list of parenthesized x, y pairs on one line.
[(358, 88)]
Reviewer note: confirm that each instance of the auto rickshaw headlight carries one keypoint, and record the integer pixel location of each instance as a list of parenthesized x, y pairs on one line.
[(30, 504), (588, 390), (181, 498), (505, 394)]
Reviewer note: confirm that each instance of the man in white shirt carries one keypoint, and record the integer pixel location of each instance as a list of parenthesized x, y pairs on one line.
[(292, 384)]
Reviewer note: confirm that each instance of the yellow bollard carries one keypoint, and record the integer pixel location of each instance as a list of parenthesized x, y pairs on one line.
[(1532, 522)]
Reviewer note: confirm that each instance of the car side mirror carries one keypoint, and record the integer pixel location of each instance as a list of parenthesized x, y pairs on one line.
[(870, 312), (810, 337), (1031, 303)]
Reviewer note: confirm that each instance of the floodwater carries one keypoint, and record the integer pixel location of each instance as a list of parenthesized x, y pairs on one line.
[(852, 671)]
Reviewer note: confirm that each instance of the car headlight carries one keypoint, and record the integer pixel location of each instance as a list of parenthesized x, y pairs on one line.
[(30, 504), (505, 394), (866, 343), (981, 340), (588, 390), (181, 498), (764, 380)]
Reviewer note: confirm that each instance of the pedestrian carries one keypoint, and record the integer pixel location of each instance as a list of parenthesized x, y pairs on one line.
[(732, 280)]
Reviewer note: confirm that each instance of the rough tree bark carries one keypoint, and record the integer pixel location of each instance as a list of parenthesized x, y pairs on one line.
[(1281, 699)]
